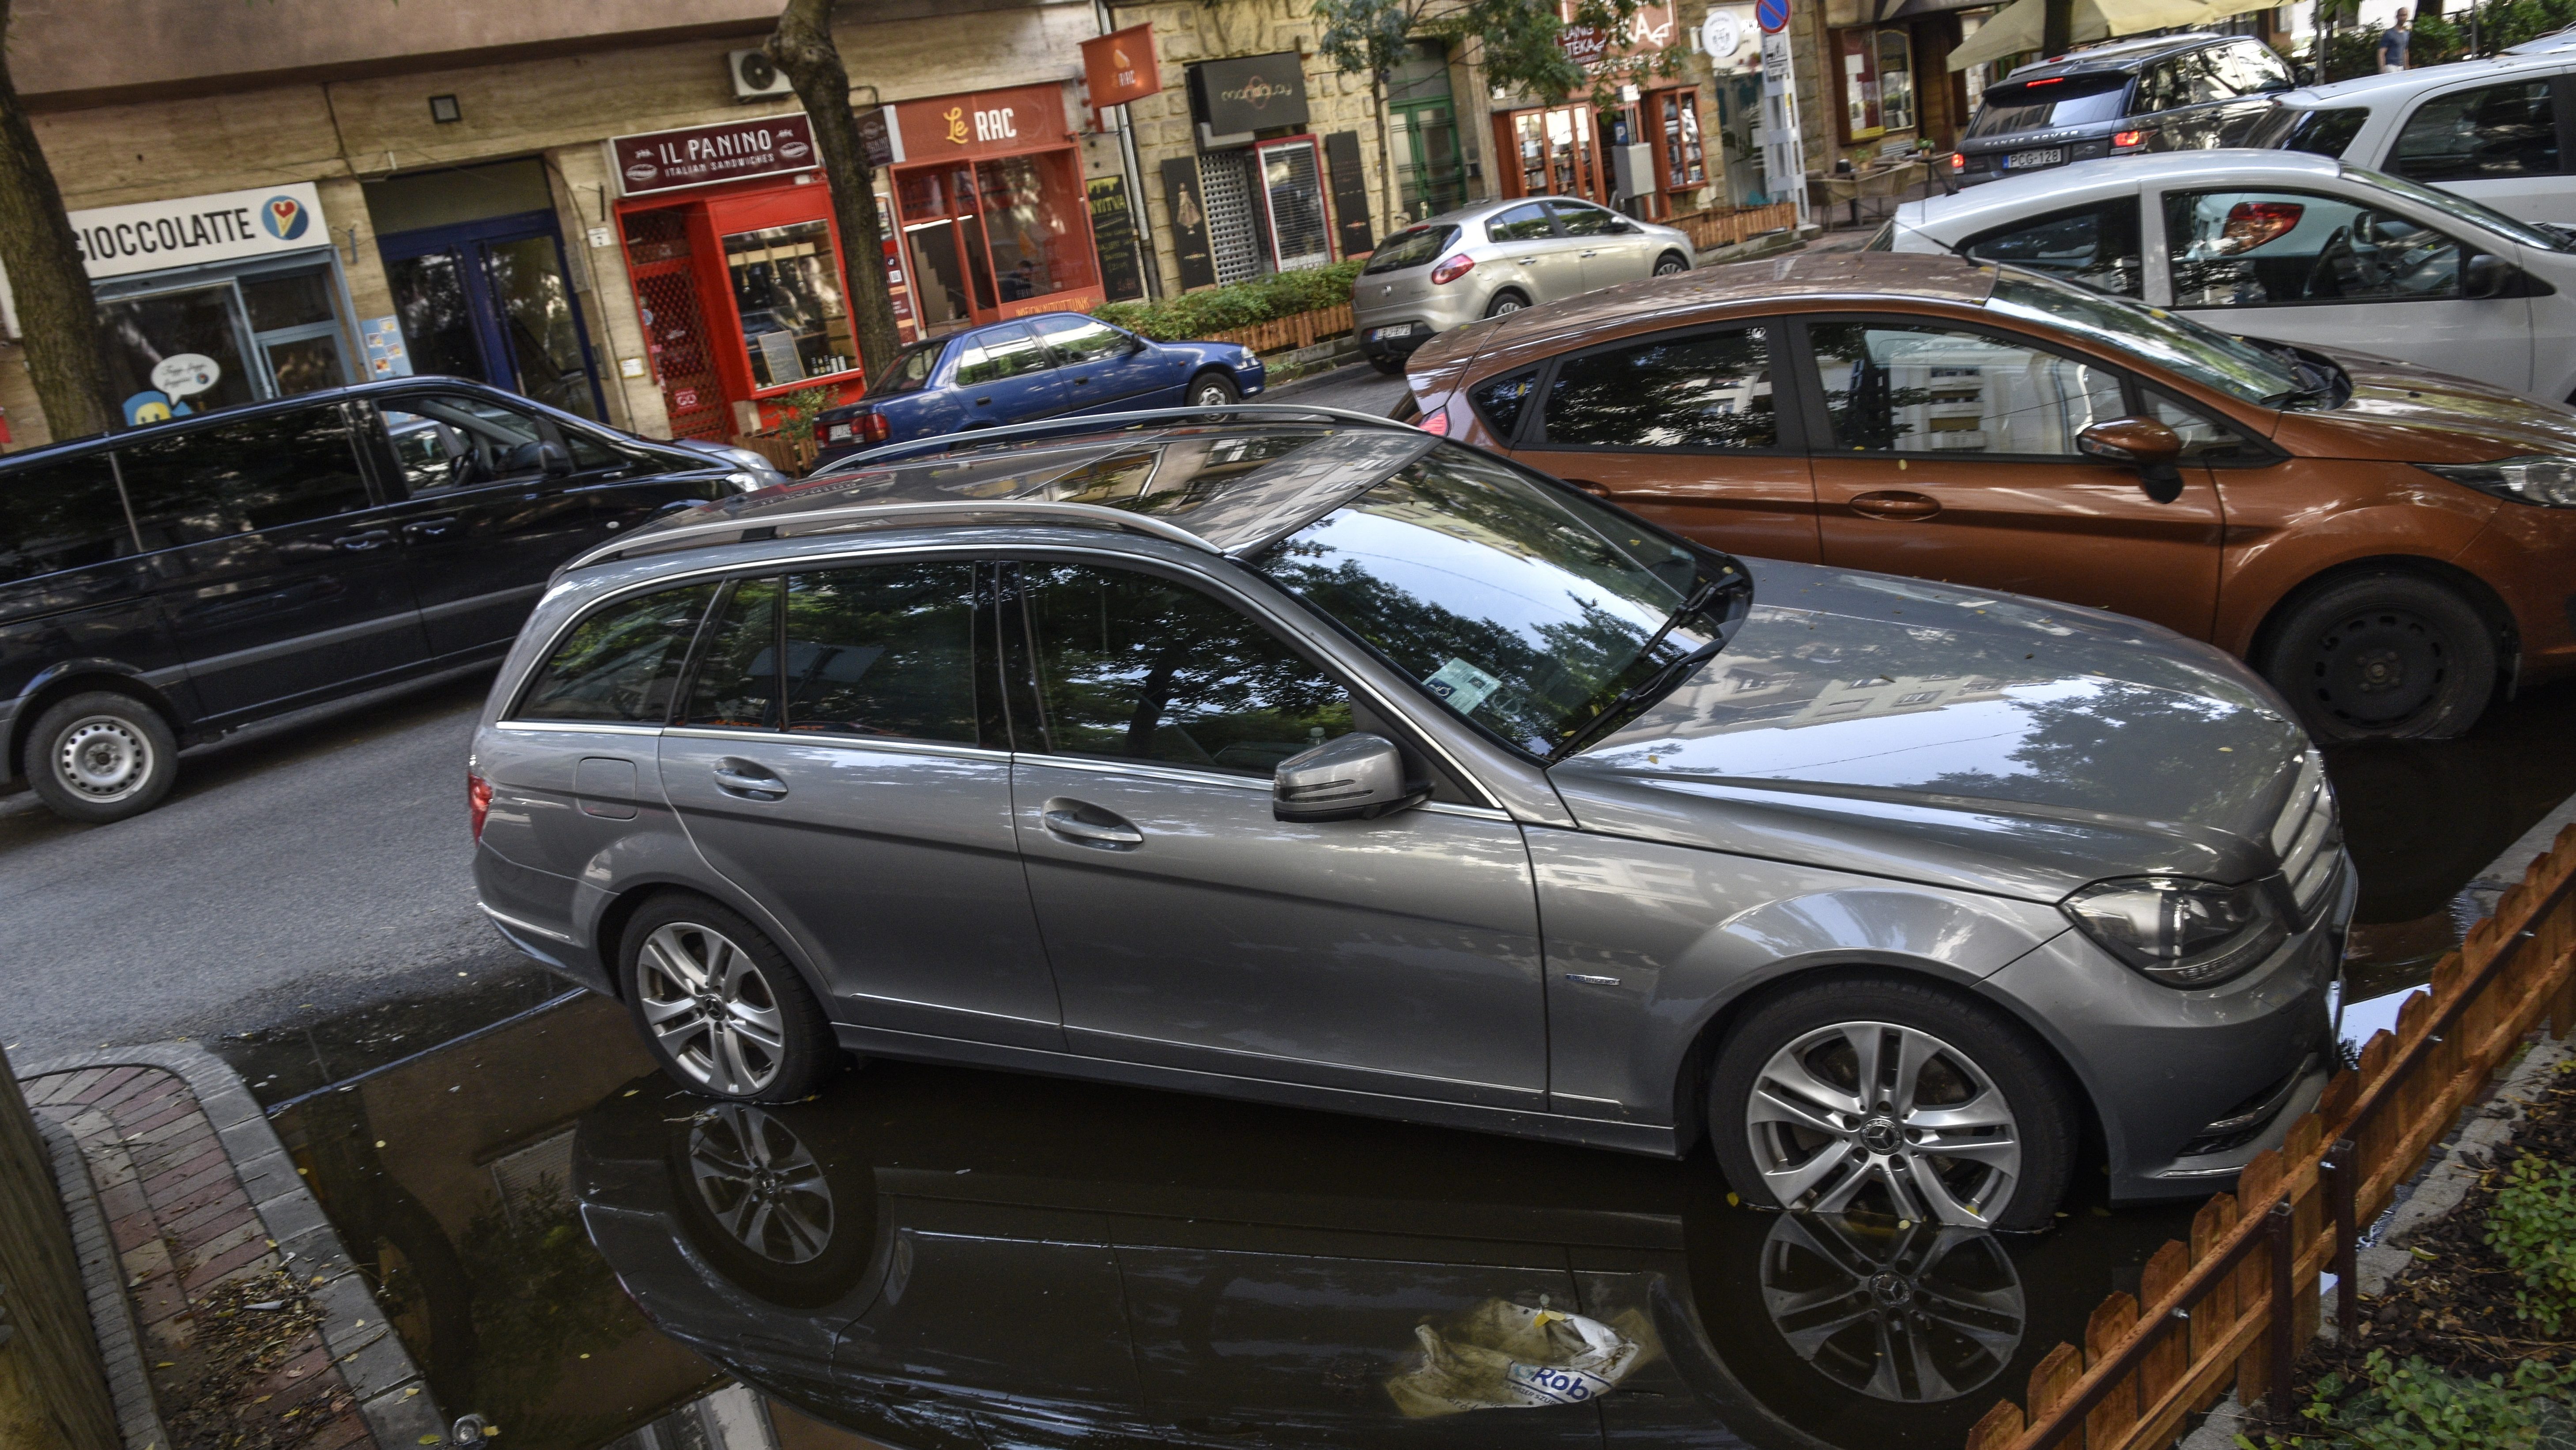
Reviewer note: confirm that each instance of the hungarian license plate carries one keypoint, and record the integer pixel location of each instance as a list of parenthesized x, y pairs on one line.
[(2045, 156), (1401, 329)]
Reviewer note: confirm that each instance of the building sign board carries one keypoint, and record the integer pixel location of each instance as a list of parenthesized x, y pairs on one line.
[(226, 226), (985, 123), (1121, 67), (1250, 93), (1645, 36), (660, 161)]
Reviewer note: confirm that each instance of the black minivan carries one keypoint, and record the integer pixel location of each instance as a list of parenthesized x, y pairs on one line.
[(163, 586), (2156, 93)]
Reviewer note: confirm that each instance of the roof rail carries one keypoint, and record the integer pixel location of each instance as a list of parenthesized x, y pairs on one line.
[(1095, 422), (797, 525)]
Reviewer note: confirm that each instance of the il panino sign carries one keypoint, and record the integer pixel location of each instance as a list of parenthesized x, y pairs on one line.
[(225, 226), (701, 155)]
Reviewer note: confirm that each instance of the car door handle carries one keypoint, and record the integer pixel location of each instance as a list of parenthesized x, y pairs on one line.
[(429, 528), (752, 781), (1065, 818), (1592, 254), (1895, 504), (363, 540), (981, 402), (1079, 381)]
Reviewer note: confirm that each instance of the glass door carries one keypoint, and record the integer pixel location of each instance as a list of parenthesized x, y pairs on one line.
[(1430, 178), (1292, 195), (488, 300)]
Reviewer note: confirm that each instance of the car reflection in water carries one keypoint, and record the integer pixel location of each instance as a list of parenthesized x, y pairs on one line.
[(937, 1258)]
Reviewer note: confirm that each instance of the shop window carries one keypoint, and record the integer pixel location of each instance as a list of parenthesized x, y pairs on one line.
[(1685, 159), (143, 331), (1292, 185), (1555, 149), (784, 290), (1878, 82), (1030, 207)]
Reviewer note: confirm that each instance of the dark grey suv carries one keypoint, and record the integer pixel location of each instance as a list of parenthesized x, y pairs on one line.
[(1317, 760), (2160, 93)]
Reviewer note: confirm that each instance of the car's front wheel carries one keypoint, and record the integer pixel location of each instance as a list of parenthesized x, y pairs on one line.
[(1671, 264), (2383, 657), (1211, 390), (101, 756), (720, 1007), (1896, 1096)]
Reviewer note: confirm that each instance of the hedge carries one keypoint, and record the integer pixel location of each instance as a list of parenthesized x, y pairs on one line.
[(1239, 304)]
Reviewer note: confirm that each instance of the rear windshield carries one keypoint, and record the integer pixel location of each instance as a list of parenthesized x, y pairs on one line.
[(2323, 132), (910, 371), (1411, 248), (2049, 102)]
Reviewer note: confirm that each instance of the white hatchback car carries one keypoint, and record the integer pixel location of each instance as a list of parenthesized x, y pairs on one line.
[(2287, 247), (2487, 129)]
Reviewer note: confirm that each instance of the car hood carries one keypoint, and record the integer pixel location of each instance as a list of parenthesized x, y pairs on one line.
[(2411, 414), (1987, 741)]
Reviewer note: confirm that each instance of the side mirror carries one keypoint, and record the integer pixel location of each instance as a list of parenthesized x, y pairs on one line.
[(1356, 778), (2143, 443), (2488, 275), (537, 456)]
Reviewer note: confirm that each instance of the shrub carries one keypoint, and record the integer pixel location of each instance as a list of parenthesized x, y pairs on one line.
[(1238, 304), (2532, 1226), (2417, 1406)]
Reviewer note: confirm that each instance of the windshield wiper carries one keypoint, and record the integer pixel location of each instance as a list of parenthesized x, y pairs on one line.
[(1635, 698)]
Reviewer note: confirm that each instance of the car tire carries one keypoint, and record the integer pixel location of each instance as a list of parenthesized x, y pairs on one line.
[(2385, 656), (101, 756), (785, 1215), (681, 960), (1213, 390), (1391, 366), (1791, 1129), (1505, 303), (1671, 264)]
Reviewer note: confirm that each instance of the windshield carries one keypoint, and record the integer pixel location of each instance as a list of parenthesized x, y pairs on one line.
[(2451, 203), (1525, 609), (1410, 249), (2050, 101), (2181, 346), (910, 370)]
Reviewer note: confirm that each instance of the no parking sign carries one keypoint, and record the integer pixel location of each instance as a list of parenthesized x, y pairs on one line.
[(1771, 15)]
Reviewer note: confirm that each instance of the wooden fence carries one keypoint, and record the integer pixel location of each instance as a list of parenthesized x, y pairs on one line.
[(1728, 228), (2235, 1304), (1302, 329)]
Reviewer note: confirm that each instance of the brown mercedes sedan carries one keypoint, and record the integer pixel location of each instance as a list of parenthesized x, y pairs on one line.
[(2392, 548)]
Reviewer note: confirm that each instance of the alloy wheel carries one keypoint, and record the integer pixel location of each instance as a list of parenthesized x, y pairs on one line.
[(1915, 1315), (102, 758), (1503, 307), (1669, 267), (1884, 1116), (711, 1007), (761, 1184)]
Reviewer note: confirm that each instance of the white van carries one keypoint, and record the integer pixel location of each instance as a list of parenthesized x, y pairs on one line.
[(2487, 129)]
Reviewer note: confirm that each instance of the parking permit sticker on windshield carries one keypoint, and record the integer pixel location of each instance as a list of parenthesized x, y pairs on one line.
[(1461, 684)]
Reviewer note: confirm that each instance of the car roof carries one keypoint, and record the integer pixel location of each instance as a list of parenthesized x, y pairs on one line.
[(1460, 216), (1861, 276), (2389, 84), (373, 387), (2116, 55), (2113, 176), (1231, 483)]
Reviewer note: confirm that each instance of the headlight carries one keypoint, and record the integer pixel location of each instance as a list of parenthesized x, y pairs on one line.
[(2538, 478), (742, 481), (2181, 932)]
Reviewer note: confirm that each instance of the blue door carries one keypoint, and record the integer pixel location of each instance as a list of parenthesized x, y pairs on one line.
[(1006, 375), (488, 300)]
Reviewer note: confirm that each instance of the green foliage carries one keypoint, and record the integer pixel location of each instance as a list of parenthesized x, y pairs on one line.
[(2438, 40), (1515, 41), (804, 406), (2532, 1225), (2417, 1406), (543, 1299), (2515, 21), (1239, 304)]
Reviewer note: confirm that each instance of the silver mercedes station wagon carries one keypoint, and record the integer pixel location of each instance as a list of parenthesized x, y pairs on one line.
[(1313, 759)]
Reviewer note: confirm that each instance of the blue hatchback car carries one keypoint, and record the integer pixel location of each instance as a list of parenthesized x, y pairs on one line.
[(1038, 367)]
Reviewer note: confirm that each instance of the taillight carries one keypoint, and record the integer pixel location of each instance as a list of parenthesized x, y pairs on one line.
[(478, 802), (873, 427), (2128, 140), (1958, 161), (1453, 269), (1435, 423)]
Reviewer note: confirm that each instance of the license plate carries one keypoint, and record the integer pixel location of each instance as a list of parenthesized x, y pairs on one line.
[(1401, 329), (2049, 156)]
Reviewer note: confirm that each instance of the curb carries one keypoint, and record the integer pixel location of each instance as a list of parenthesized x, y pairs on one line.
[(111, 1318), (377, 1365)]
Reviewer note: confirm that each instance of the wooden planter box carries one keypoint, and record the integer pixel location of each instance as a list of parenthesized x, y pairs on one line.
[(1730, 228), (1282, 333), (788, 456)]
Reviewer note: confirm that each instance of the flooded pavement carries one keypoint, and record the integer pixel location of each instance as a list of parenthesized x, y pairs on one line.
[(936, 1257)]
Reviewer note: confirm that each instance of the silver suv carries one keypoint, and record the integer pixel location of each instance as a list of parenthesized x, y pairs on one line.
[(1313, 759)]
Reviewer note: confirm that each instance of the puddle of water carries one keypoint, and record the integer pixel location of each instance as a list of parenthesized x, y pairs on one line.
[(287, 1061)]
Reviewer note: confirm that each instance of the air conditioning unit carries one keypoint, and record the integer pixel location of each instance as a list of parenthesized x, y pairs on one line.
[(755, 76)]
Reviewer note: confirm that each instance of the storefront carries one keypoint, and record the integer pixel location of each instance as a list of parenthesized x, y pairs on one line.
[(1641, 152), (1261, 173), (1554, 151), (736, 268), (990, 203), (212, 301), (1887, 61)]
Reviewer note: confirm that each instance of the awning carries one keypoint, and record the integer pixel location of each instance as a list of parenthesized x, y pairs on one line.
[(2018, 28)]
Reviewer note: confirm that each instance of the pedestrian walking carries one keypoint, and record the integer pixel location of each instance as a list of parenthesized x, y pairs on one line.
[(2392, 44)]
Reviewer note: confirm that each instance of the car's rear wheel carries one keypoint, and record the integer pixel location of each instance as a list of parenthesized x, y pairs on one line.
[(1895, 1096), (722, 1011), (1212, 390), (2383, 657), (1671, 264), (101, 756), (1505, 302)]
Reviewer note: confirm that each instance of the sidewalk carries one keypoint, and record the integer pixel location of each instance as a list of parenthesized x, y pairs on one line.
[(227, 1311)]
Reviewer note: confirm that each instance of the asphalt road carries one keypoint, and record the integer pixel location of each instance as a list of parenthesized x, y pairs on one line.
[(1359, 387), (311, 868)]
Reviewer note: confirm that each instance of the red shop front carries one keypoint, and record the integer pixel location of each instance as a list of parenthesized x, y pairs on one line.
[(736, 267), (989, 197)]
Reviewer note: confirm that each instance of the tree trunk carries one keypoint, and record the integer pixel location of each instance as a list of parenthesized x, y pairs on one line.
[(57, 316), (802, 46)]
